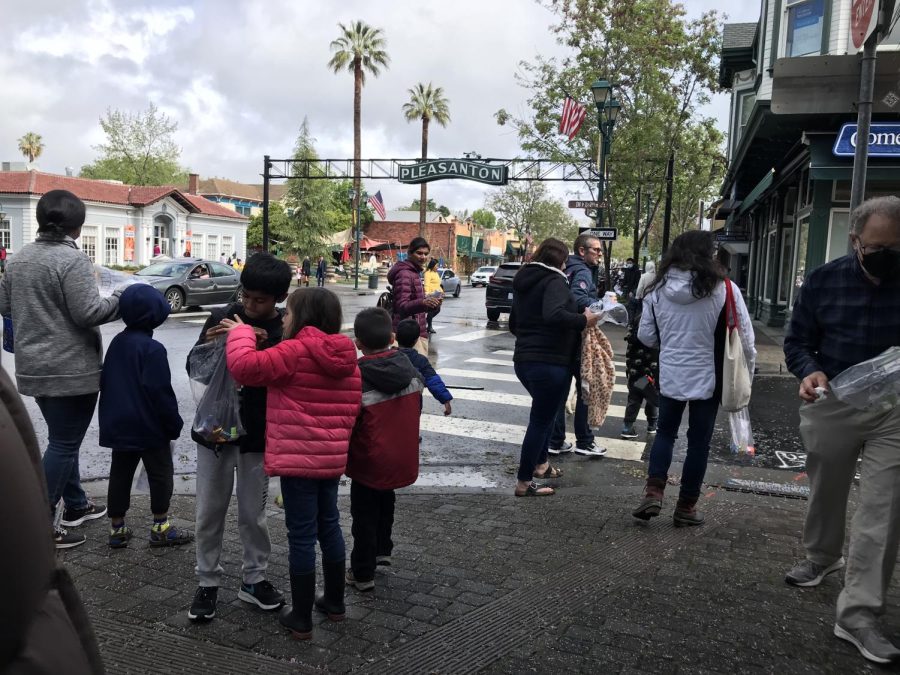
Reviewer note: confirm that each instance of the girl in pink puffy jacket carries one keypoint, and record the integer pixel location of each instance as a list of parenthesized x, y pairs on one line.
[(314, 397)]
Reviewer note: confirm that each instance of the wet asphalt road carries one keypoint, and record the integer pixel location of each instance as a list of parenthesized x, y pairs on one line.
[(478, 445)]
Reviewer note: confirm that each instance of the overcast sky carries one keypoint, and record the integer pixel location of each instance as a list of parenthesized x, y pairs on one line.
[(239, 76)]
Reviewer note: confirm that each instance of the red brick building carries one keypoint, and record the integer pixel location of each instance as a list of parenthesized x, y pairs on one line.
[(401, 227)]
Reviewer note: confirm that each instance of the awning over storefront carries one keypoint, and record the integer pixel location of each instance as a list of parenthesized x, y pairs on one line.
[(757, 192), (463, 245)]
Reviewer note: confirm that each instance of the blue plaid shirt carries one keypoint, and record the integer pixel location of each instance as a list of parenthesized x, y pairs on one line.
[(840, 319)]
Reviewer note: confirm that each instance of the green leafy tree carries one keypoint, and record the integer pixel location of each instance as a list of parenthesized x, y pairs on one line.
[(360, 49), (430, 205), (426, 103), (139, 149), (527, 207), (663, 66), (484, 218), (31, 145)]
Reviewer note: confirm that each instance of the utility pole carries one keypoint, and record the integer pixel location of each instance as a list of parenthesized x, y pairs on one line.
[(667, 217), (863, 123), (637, 227), (265, 223)]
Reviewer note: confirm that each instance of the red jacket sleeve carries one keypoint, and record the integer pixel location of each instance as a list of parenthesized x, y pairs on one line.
[(256, 368)]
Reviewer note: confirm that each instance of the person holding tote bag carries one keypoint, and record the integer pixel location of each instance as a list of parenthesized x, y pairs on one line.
[(685, 318)]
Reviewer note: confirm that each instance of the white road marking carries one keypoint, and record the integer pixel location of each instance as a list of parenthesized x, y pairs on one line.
[(194, 321), (510, 364), (513, 434), (474, 335), (518, 400), (504, 352), (502, 377)]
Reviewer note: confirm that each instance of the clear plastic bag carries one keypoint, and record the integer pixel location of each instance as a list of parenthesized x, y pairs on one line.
[(218, 416), (741, 433), (109, 281), (610, 310), (872, 384)]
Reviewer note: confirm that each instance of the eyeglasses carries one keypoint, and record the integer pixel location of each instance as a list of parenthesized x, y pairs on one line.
[(595, 249), (877, 249)]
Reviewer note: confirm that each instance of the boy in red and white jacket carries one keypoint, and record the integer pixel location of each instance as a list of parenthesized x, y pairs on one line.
[(384, 447)]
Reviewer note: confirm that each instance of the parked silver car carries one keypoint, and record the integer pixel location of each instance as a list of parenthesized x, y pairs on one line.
[(450, 283), (187, 282)]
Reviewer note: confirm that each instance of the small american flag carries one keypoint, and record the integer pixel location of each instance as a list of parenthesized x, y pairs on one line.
[(377, 203), (573, 114)]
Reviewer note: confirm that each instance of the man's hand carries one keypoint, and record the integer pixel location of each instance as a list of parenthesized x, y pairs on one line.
[(215, 332), (447, 408), (432, 303), (809, 384), (592, 318)]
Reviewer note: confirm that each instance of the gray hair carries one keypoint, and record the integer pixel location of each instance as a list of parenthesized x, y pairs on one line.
[(889, 207), (582, 241)]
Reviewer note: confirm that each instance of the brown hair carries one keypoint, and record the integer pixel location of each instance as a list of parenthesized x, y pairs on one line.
[(317, 307), (551, 252)]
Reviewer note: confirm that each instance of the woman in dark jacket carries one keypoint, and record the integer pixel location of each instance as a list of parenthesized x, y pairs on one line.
[(547, 326)]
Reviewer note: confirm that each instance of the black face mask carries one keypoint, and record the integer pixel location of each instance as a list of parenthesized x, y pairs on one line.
[(883, 264)]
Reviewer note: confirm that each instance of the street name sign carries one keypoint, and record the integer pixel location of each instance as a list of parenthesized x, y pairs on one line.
[(604, 233), (586, 204), (884, 141), (441, 169)]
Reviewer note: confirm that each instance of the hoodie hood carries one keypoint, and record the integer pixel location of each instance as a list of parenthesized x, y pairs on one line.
[(677, 287), (143, 307), (532, 274), (650, 267), (575, 263), (335, 355), (389, 372), (400, 267)]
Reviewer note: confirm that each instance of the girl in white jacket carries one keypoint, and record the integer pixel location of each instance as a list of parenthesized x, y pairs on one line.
[(684, 318)]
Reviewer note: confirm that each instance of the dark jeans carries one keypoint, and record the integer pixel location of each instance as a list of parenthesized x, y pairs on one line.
[(635, 398), (320, 281), (548, 384), (67, 418), (310, 513), (701, 422), (373, 520), (430, 316), (157, 462), (583, 434)]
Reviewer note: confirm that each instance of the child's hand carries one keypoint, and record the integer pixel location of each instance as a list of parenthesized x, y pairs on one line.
[(229, 325), (447, 408), (215, 332), (261, 334)]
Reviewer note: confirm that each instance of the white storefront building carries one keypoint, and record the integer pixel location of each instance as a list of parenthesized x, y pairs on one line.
[(125, 224)]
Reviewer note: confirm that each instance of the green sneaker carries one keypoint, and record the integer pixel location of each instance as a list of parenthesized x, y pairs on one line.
[(119, 536), (166, 534)]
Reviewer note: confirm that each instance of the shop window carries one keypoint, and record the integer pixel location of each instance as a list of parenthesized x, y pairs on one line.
[(112, 250), (5, 238), (800, 258), (838, 234), (771, 262), (805, 21), (89, 242), (787, 258)]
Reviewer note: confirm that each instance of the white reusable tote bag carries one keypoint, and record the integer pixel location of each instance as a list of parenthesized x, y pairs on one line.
[(735, 373)]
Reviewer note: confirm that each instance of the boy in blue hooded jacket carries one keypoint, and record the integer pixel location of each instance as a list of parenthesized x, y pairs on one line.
[(139, 416)]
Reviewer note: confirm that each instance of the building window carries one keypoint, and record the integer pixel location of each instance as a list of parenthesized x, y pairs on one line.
[(787, 259), (805, 23), (212, 247), (5, 238), (89, 242), (112, 250), (747, 102), (227, 243), (244, 210), (838, 234), (800, 258), (197, 245)]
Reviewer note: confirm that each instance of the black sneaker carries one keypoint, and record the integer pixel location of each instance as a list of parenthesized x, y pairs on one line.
[(204, 606), (63, 539), (262, 594), (75, 517)]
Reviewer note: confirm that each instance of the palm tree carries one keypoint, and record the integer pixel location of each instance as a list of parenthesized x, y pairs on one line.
[(31, 145), (360, 48), (426, 103)]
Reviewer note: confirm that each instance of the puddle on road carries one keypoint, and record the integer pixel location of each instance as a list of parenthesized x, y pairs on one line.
[(472, 479)]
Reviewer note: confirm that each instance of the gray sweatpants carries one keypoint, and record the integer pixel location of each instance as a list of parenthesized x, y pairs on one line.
[(834, 435), (215, 483)]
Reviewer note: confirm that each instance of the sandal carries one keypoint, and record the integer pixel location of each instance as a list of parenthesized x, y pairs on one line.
[(535, 490), (550, 472)]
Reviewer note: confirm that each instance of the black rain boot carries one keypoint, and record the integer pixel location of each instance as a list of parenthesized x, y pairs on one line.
[(686, 513), (297, 618), (331, 603)]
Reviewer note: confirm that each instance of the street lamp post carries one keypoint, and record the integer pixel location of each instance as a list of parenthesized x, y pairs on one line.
[(607, 112), (356, 231)]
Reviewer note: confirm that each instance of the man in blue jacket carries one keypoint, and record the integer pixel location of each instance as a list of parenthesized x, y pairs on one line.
[(581, 269)]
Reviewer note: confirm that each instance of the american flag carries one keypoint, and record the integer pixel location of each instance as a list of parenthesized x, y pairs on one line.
[(377, 203), (573, 114)]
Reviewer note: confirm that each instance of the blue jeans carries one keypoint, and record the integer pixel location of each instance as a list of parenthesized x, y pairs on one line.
[(584, 437), (548, 384), (67, 418), (310, 513), (701, 422)]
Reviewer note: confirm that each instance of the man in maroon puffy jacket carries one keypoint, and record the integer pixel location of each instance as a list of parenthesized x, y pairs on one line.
[(409, 293)]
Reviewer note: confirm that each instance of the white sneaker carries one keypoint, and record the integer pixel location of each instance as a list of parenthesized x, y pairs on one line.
[(561, 450), (591, 451)]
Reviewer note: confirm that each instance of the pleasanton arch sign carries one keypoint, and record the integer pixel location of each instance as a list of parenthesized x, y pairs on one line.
[(441, 169)]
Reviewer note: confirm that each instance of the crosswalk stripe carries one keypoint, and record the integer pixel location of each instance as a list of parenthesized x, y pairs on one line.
[(509, 364), (504, 377), (517, 400), (513, 434), (504, 352), (474, 335)]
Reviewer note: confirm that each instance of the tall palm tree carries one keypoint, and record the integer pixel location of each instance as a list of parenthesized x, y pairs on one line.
[(31, 145), (426, 103), (360, 48)]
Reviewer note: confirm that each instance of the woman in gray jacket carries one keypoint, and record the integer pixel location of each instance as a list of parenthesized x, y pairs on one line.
[(50, 290), (684, 318)]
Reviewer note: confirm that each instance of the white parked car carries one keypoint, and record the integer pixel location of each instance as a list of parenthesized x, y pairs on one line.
[(482, 275)]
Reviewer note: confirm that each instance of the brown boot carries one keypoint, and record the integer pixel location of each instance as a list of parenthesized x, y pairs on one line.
[(686, 513), (651, 504)]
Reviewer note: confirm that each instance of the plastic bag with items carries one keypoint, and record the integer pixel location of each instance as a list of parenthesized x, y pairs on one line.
[(872, 384), (110, 281), (741, 433), (610, 310), (218, 416)]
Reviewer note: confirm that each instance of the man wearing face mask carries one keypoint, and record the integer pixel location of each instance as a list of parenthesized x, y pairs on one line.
[(848, 311)]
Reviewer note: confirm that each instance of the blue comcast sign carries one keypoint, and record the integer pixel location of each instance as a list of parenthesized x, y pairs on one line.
[(884, 141)]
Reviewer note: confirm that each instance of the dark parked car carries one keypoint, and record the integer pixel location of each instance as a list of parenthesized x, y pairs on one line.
[(499, 294), (193, 282)]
